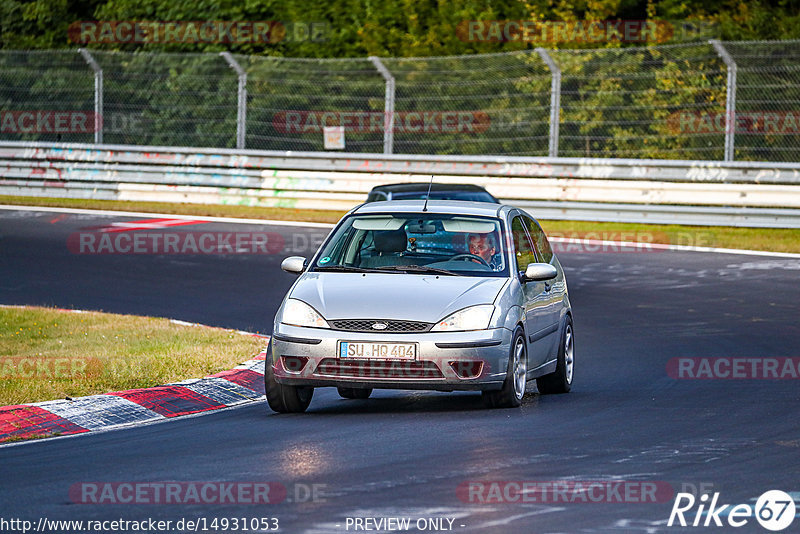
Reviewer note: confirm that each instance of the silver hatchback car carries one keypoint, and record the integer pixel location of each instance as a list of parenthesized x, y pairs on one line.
[(446, 296)]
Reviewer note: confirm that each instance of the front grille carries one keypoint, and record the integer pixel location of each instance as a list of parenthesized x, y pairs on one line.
[(390, 369), (392, 326)]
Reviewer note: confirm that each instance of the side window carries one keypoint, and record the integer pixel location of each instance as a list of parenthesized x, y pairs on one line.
[(523, 248), (540, 240), (375, 196)]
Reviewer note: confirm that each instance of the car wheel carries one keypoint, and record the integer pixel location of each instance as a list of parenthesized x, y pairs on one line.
[(560, 380), (510, 396), (280, 397), (354, 393)]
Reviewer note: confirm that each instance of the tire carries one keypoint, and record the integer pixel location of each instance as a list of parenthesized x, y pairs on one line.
[(510, 396), (354, 393), (560, 380), (280, 397)]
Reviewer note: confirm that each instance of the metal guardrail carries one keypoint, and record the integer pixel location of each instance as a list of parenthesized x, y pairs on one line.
[(662, 191)]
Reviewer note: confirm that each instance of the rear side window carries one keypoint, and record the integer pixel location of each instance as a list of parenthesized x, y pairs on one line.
[(377, 196), (540, 240)]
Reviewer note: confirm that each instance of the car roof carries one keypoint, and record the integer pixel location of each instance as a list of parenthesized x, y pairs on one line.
[(461, 207), (423, 186)]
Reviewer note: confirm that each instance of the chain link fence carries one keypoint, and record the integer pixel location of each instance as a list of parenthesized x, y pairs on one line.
[(289, 101), (767, 100), (41, 81), (706, 100)]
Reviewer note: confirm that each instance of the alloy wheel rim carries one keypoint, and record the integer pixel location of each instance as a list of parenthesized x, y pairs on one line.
[(569, 359), (520, 368)]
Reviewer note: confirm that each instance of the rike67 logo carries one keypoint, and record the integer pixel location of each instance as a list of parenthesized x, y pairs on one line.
[(774, 510)]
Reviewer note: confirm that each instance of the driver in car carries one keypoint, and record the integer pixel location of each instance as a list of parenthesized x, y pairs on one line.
[(484, 246)]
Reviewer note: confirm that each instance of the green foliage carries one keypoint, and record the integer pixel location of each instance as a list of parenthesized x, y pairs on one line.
[(397, 28), (616, 101)]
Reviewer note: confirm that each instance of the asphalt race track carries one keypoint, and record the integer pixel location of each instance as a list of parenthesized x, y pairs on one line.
[(411, 454)]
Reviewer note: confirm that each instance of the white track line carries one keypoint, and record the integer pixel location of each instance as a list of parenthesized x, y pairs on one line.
[(662, 246), (234, 220)]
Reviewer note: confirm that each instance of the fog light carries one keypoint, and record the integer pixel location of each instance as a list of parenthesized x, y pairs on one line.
[(294, 364), (467, 369)]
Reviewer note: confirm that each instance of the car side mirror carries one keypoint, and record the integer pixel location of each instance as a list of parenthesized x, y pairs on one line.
[(294, 264), (538, 272)]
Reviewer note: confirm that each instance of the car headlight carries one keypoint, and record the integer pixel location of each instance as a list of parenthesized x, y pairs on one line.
[(472, 318), (298, 313)]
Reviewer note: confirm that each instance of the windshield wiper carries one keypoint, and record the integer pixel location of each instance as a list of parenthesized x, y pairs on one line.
[(418, 269), (345, 269)]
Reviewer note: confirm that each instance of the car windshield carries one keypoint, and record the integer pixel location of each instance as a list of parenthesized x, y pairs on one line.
[(446, 244)]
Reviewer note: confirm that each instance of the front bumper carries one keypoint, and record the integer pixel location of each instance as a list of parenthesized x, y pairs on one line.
[(445, 361)]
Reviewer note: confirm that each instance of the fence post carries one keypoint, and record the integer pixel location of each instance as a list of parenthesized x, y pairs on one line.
[(555, 100), (730, 98), (388, 106), (241, 106), (98, 95)]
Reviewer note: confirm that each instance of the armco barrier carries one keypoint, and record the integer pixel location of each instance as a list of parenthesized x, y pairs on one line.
[(658, 191)]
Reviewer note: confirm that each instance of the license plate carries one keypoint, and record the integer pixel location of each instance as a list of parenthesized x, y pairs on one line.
[(403, 351)]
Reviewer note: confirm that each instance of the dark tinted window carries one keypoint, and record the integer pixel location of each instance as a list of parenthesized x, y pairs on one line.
[(375, 196), (540, 240), (523, 248), (472, 196)]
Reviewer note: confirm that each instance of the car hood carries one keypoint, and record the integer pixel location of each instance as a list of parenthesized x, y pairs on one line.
[(411, 297)]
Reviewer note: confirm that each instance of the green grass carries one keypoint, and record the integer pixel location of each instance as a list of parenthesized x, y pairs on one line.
[(48, 354), (14, 439), (768, 239)]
